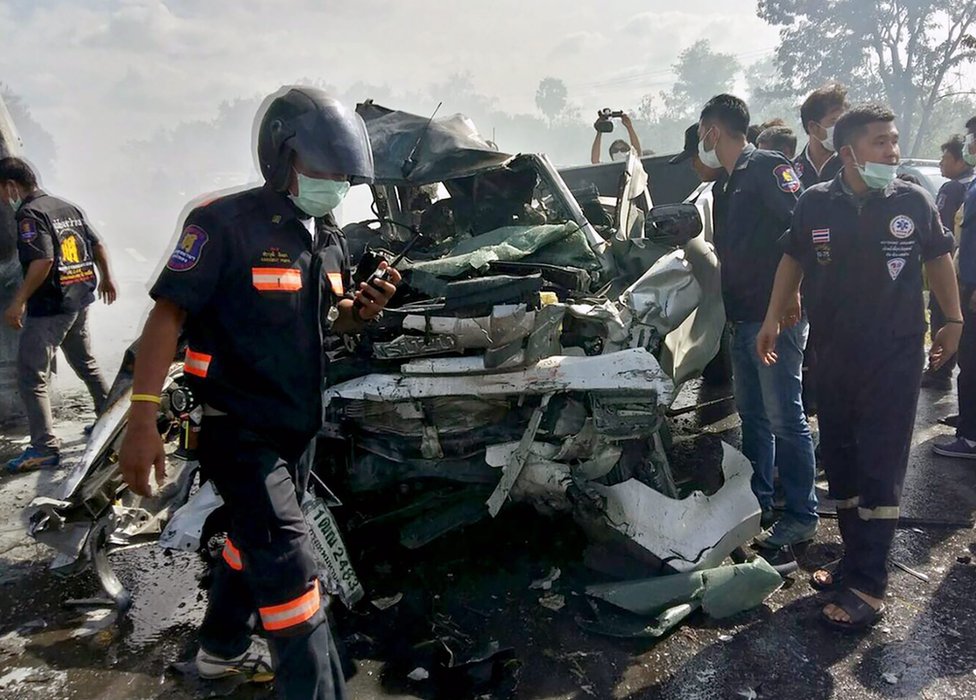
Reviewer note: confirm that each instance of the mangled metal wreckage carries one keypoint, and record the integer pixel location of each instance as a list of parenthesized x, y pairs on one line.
[(531, 354)]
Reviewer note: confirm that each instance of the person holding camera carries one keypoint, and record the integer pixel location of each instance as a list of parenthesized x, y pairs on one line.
[(619, 149)]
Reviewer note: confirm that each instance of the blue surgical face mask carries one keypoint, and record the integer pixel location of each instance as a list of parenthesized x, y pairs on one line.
[(970, 158), (876, 176), (317, 197)]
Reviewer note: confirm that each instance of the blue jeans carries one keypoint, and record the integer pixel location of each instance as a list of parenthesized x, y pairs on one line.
[(774, 427)]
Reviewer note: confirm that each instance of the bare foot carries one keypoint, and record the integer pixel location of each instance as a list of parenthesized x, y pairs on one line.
[(838, 614)]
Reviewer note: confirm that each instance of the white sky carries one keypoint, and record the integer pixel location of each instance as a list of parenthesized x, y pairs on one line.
[(98, 72)]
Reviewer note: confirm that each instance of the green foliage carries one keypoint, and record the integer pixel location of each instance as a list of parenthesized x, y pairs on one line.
[(902, 52), (701, 74), (552, 98)]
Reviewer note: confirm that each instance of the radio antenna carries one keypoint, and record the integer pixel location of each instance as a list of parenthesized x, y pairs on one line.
[(410, 163)]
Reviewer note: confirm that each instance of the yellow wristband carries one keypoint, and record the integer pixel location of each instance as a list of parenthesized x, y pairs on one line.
[(146, 398)]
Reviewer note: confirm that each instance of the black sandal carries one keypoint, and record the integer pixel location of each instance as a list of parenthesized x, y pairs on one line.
[(862, 615), (835, 571)]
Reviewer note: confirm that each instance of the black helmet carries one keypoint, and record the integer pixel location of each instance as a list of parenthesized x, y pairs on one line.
[(328, 137)]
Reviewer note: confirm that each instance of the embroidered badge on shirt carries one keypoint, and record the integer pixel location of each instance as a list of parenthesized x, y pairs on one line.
[(786, 178), (798, 168), (895, 266), (902, 226), (28, 230), (188, 250), (821, 243)]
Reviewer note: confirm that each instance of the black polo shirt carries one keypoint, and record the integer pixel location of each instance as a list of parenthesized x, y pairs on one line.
[(257, 291), (761, 193), (862, 261), (808, 173), (49, 228)]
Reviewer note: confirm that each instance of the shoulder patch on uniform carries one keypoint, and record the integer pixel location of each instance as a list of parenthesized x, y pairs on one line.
[(901, 226), (895, 266), (27, 230), (786, 178), (188, 250)]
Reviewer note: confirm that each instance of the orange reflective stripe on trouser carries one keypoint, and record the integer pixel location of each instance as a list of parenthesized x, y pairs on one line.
[(292, 613), (232, 555), (196, 363), (276, 279)]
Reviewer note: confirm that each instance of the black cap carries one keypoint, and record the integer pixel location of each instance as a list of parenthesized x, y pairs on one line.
[(691, 145)]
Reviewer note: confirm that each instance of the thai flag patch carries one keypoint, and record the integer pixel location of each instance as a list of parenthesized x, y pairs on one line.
[(821, 235)]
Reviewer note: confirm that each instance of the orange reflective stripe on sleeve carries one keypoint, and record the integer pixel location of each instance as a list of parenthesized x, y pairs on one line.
[(294, 612), (335, 281), (196, 363), (276, 279), (232, 555)]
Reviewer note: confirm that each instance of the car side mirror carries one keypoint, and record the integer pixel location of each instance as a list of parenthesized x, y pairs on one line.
[(673, 225)]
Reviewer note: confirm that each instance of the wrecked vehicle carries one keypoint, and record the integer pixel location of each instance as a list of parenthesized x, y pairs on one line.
[(531, 354)]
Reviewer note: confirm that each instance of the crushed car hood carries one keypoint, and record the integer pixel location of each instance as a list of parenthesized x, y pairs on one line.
[(419, 150)]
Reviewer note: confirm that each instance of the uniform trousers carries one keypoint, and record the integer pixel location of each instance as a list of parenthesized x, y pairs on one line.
[(268, 572), (966, 381), (868, 394)]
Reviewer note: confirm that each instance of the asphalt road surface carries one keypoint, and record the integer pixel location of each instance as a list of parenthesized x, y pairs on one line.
[(467, 598)]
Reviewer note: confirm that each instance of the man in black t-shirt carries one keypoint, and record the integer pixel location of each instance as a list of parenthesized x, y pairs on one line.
[(59, 254)]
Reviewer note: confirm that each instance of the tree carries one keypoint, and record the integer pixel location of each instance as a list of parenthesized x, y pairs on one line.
[(767, 97), (39, 145), (701, 74), (552, 98), (900, 51)]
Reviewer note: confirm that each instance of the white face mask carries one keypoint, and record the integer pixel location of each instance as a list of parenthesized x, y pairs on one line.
[(708, 158), (828, 142), (619, 155)]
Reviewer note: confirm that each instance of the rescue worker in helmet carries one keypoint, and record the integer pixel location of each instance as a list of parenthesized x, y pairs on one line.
[(255, 281)]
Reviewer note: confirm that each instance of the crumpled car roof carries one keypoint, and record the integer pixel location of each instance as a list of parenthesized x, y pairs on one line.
[(449, 148)]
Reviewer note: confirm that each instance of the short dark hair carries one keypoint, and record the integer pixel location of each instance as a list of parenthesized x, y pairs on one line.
[(729, 111), (755, 130), (619, 145), (17, 170), (778, 138), (954, 146), (971, 124), (855, 121), (822, 102)]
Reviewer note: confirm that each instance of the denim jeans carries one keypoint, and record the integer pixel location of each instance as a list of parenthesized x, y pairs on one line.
[(774, 427)]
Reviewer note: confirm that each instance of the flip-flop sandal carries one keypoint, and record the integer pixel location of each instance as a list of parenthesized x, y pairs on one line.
[(862, 616), (828, 578)]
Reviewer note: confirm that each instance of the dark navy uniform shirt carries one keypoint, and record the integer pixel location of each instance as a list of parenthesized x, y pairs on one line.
[(967, 239), (807, 171), (49, 228), (258, 291), (761, 193), (862, 260), (950, 198)]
